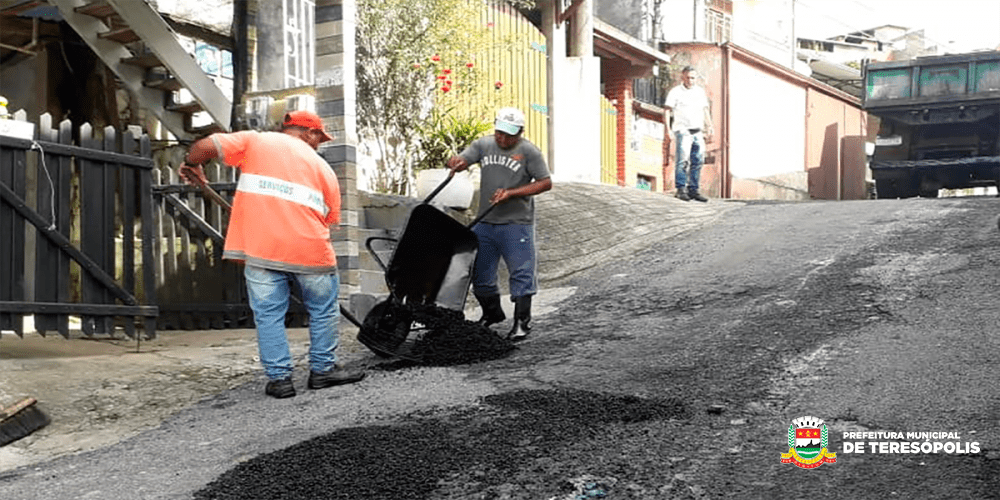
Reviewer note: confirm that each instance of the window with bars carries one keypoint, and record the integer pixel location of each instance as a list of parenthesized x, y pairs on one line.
[(718, 26), (299, 36), (723, 6)]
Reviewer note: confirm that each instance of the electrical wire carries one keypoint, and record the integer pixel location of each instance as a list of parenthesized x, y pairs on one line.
[(52, 186)]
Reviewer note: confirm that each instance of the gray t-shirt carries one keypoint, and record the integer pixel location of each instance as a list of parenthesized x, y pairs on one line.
[(507, 169)]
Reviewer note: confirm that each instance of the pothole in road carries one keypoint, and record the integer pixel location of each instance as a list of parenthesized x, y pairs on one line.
[(523, 443), (893, 268)]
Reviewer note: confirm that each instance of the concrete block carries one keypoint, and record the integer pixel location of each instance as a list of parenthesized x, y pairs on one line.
[(345, 247), (372, 282)]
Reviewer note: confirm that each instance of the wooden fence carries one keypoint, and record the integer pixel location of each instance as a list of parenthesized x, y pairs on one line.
[(196, 288), (74, 224), (98, 237)]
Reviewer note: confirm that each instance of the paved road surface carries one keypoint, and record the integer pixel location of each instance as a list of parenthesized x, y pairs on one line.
[(672, 373)]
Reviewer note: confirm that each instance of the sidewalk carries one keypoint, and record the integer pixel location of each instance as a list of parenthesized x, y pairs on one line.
[(580, 225)]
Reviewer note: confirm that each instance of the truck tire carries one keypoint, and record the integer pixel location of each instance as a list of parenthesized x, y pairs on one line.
[(886, 190)]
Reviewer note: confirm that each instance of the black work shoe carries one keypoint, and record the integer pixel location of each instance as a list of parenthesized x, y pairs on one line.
[(696, 196), (520, 331), (492, 311), (681, 195), (522, 319), (332, 377), (280, 389)]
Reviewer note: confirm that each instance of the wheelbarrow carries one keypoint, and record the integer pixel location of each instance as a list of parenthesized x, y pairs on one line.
[(431, 265), (430, 268)]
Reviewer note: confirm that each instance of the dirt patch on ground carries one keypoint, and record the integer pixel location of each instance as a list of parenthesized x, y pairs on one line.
[(100, 391)]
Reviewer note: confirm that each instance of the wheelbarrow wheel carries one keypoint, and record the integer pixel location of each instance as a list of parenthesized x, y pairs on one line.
[(385, 328)]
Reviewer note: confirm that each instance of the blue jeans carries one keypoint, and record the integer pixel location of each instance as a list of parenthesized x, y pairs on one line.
[(269, 293), (515, 243), (690, 157)]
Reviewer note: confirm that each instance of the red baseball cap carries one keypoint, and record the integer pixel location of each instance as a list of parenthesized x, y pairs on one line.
[(307, 120)]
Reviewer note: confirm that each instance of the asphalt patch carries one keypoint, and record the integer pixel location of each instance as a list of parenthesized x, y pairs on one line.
[(475, 452)]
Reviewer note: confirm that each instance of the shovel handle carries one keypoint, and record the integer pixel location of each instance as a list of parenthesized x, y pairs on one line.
[(208, 192), (216, 197)]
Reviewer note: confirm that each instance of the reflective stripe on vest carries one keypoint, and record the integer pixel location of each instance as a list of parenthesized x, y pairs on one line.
[(278, 188)]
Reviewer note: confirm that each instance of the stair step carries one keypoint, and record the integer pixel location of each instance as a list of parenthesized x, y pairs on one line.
[(187, 107), (206, 130), (98, 9), (170, 84), (23, 7), (120, 35), (147, 60)]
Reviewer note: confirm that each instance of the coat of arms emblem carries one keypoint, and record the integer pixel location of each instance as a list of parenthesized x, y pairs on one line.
[(807, 444)]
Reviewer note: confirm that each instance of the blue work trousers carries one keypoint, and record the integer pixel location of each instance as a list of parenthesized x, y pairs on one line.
[(515, 244), (269, 292)]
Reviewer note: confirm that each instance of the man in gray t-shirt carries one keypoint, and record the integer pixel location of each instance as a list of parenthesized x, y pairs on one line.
[(512, 171)]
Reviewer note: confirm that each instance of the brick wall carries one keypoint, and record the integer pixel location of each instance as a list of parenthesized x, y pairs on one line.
[(619, 91), (632, 164), (336, 105)]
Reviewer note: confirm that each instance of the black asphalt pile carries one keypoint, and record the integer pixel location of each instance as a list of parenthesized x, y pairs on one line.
[(431, 335), (451, 339), (517, 445)]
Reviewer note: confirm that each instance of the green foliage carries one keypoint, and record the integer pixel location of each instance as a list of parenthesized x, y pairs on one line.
[(403, 47), (444, 135)]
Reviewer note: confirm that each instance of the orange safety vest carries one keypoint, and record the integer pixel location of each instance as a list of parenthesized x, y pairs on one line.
[(286, 199)]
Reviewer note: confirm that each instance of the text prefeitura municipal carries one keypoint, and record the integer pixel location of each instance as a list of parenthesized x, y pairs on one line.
[(923, 442)]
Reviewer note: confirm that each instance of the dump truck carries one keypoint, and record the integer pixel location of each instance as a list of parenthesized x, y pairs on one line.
[(939, 123)]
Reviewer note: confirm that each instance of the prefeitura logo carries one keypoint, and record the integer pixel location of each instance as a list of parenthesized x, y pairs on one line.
[(807, 441)]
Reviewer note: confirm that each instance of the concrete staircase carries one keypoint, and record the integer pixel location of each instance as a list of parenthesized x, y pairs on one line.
[(138, 45)]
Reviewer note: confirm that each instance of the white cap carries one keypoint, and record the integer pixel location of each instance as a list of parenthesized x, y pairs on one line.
[(509, 121)]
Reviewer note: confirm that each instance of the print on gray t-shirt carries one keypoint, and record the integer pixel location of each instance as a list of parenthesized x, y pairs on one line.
[(506, 169)]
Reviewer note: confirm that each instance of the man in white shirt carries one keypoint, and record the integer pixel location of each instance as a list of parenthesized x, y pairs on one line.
[(692, 127)]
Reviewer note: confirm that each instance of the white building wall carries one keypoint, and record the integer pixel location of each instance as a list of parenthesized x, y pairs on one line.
[(575, 136), (766, 27), (678, 22), (768, 124)]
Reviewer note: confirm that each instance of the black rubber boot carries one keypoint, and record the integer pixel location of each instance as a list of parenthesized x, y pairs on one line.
[(492, 311), (522, 319)]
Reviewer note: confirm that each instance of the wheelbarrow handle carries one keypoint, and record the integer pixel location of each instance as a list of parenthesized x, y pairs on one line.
[(451, 173), (482, 215), (368, 245), (346, 313)]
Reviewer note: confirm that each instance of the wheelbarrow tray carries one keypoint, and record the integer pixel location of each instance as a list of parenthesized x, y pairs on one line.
[(431, 265), (433, 259)]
